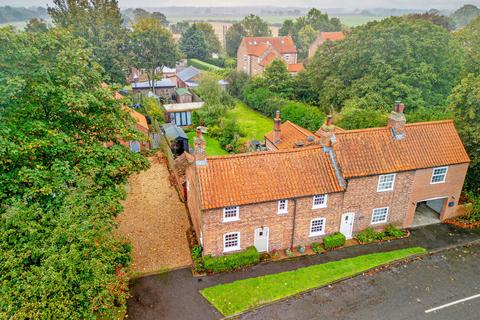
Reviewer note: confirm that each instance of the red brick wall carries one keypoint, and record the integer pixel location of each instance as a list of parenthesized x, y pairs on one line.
[(251, 217), (361, 197), (193, 199), (423, 190)]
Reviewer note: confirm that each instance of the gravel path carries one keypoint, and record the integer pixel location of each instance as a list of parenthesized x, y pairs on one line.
[(155, 221)]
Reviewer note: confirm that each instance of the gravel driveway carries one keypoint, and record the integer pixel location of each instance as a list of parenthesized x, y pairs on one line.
[(155, 221)]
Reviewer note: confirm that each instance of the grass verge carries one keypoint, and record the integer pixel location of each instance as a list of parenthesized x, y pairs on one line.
[(253, 125), (213, 146), (242, 295)]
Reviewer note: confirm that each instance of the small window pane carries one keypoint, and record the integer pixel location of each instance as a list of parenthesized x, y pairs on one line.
[(317, 226), (439, 175), (385, 182), (320, 201), (283, 206), (231, 213), (379, 215), (231, 241)]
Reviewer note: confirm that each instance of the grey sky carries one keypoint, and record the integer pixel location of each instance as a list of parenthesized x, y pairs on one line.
[(440, 4)]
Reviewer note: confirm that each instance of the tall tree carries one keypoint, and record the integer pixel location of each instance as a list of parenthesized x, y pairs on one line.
[(464, 15), (213, 44), (233, 37), (435, 17), (101, 24), (277, 79), (193, 43), (151, 46), (469, 37), (465, 103), (36, 25), (60, 185), (160, 17), (254, 26), (380, 62)]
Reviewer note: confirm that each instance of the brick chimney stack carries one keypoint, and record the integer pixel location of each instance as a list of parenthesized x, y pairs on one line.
[(276, 127), (396, 121), (327, 132), (200, 149)]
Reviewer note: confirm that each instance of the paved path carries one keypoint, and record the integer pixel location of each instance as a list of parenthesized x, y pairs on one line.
[(174, 295), (405, 291), (155, 221)]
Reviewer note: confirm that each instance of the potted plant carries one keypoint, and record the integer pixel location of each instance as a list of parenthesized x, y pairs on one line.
[(289, 252), (300, 249)]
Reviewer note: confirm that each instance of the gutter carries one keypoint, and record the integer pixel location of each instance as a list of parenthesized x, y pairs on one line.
[(293, 222)]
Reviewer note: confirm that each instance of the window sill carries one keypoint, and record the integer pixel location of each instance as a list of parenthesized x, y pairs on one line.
[(378, 222), (437, 182), (319, 207), (231, 249), (386, 190), (230, 220), (311, 235), (282, 213)]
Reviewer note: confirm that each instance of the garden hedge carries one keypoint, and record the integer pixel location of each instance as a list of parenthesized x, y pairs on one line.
[(231, 261), (334, 241)]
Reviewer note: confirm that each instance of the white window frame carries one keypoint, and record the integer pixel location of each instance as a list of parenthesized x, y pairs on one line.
[(234, 248), (231, 209), (444, 175), (380, 221), (281, 203), (322, 205), (381, 183), (317, 233), (287, 57)]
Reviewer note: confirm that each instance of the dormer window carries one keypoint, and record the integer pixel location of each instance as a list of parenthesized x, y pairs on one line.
[(231, 214), (386, 182), (439, 175), (319, 201)]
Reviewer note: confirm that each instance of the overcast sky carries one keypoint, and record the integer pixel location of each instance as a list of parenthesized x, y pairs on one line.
[(351, 4)]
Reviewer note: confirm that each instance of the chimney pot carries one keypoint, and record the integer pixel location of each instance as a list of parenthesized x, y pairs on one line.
[(327, 132), (396, 121)]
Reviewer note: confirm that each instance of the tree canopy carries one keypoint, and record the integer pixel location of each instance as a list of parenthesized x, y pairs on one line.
[(233, 38), (380, 62), (469, 37), (465, 104), (61, 185), (193, 43), (151, 46), (305, 29), (464, 15), (254, 26), (100, 23)]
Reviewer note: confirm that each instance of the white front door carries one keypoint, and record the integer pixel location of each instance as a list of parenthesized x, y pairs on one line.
[(261, 239), (346, 225)]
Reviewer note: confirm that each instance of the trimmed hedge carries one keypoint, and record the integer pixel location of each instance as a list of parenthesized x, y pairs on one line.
[(232, 261), (203, 65), (334, 241), (267, 102)]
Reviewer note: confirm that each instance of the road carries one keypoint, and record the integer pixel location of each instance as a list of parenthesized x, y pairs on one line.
[(404, 291)]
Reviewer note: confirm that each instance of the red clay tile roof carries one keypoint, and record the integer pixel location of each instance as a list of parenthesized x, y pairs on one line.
[(269, 58), (256, 46), (295, 67), (332, 36), (374, 151), (289, 134), (266, 176)]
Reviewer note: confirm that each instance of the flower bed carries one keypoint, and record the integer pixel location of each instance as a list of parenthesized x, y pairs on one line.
[(390, 232), (463, 223)]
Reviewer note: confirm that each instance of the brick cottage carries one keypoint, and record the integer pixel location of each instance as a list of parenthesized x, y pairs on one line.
[(310, 185)]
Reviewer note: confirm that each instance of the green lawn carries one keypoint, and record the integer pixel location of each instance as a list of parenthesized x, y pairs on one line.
[(213, 146), (242, 295), (202, 65), (253, 125)]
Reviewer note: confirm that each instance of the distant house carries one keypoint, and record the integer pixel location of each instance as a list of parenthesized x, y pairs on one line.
[(321, 38), (255, 53), (162, 88), (188, 77), (183, 95), (181, 113)]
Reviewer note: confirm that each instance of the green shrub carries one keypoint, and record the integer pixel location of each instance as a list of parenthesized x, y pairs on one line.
[(317, 247), (196, 252), (334, 241), (392, 231), (369, 235), (232, 261), (202, 65)]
